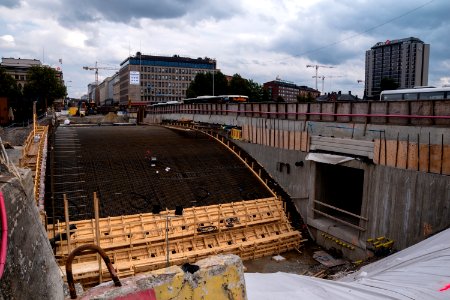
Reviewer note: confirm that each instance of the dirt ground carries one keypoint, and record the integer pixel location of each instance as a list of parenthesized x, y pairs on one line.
[(299, 262)]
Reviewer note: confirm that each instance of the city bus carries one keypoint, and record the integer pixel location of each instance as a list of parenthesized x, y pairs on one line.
[(217, 99), (420, 93)]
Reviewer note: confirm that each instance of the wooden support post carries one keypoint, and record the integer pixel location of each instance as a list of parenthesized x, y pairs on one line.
[(442, 153), (218, 218), (66, 215), (97, 236)]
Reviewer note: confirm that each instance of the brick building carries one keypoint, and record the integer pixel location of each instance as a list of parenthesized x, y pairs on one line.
[(288, 91)]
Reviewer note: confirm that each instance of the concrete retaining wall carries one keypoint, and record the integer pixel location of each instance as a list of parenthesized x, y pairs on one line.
[(31, 271), (403, 205)]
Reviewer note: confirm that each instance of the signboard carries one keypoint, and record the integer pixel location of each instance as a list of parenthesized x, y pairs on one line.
[(135, 78)]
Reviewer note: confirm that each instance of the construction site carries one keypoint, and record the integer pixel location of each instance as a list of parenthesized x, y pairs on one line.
[(204, 197), (110, 200)]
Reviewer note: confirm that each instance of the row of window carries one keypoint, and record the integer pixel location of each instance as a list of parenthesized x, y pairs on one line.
[(166, 77), (173, 64), (150, 85), (171, 70), (172, 92)]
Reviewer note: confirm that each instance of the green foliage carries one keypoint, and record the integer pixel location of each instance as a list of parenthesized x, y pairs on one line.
[(8, 86), (239, 86), (202, 85), (43, 86)]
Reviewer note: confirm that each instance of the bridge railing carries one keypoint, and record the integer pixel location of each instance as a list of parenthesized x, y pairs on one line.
[(429, 112)]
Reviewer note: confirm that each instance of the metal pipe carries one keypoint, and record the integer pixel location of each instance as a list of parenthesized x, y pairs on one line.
[(4, 240), (79, 250)]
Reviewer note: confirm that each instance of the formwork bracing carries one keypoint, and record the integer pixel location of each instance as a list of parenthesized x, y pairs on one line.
[(137, 243)]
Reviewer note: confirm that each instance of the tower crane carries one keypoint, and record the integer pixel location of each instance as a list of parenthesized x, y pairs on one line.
[(317, 68), (323, 78), (96, 68)]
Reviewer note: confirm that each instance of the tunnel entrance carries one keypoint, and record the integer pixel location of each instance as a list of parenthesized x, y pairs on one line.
[(339, 192)]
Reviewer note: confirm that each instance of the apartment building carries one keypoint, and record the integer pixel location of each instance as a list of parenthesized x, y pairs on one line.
[(288, 91), (18, 68), (405, 61), (148, 79)]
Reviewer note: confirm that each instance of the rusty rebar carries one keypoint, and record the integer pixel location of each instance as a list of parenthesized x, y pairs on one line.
[(79, 250)]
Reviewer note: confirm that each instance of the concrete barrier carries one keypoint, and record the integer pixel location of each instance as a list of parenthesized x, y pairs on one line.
[(217, 277)]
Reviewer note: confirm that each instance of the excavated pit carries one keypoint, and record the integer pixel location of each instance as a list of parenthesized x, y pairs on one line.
[(134, 169)]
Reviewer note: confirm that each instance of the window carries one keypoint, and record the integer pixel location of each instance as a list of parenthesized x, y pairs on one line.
[(431, 96), (410, 96)]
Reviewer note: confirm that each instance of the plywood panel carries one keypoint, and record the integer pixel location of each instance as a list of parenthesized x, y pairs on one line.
[(245, 135), (446, 160), (391, 152), (379, 152), (285, 139), (291, 140), (423, 157), (413, 156), (298, 141), (376, 152), (276, 135), (402, 156), (436, 159), (305, 141)]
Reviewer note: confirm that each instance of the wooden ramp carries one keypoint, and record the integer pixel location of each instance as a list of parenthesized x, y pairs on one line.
[(137, 243)]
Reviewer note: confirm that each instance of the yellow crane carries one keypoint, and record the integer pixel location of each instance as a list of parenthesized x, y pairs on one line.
[(96, 68), (317, 68)]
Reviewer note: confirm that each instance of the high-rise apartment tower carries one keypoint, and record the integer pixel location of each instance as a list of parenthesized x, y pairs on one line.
[(405, 61)]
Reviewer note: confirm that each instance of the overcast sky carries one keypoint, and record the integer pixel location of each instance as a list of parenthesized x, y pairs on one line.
[(258, 39)]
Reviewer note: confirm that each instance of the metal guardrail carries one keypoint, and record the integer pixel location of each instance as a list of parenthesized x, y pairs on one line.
[(339, 210)]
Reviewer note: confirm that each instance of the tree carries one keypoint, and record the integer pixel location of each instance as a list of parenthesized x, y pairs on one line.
[(203, 85), (239, 86), (43, 86), (8, 85), (13, 93), (388, 84), (256, 91)]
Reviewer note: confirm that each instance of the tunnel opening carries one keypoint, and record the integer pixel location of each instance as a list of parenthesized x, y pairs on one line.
[(339, 193)]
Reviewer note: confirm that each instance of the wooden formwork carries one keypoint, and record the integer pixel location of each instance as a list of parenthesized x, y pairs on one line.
[(137, 243), (123, 231)]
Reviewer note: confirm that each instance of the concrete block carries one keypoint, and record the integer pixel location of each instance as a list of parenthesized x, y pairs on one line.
[(218, 277)]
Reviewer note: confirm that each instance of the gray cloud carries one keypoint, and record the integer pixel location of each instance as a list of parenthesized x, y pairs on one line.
[(10, 3), (120, 11), (322, 31)]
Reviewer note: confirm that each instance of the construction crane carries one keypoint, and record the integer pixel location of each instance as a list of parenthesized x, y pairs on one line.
[(96, 68), (317, 68), (323, 79)]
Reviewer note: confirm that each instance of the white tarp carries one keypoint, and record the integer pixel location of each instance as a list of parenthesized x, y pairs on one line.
[(418, 272), (328, 158)]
